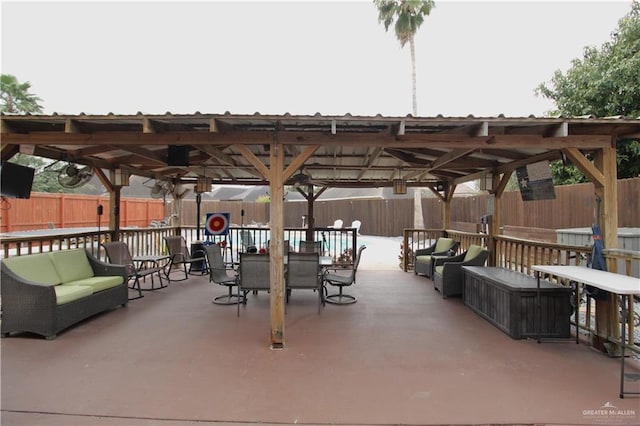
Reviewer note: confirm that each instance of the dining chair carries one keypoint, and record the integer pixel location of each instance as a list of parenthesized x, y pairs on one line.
[(218, 273), (303, 272), (180, 255), (310, 247), (342, 281), (118, 253), (248, 245), (253, 275)]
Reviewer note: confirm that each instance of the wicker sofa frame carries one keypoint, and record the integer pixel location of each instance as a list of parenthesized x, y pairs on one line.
[(30, 307)]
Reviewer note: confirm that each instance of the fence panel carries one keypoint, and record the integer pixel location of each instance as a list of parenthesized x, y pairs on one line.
[(43, 211), (573, 207)]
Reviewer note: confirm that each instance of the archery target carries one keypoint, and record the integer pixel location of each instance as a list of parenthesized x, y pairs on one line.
[(217, 224)]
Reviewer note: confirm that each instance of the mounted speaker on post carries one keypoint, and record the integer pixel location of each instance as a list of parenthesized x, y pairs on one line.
[(178, 155), (441, 186)]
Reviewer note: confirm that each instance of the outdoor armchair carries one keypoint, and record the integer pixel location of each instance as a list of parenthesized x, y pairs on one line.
[(218, 274), (448, 275), (422, 258), (342, 281), (180, 255), (118, 254)]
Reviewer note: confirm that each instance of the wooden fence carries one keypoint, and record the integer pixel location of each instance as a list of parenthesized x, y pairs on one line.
[(43, 211), (573, 207)]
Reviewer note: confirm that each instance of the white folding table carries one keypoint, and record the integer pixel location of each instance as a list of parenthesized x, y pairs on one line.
[(622, 285)]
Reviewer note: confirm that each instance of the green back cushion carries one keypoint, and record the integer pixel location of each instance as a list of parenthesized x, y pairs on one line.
[(71, 265), (36, 267), (472, 252), (443, 244)]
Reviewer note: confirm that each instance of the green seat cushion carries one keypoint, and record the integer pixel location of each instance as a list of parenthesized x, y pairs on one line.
[(71, 265), (97, 283), (443, 244), (425, 258), (69, 293), (35, 267), (472, 252), (439, 269)]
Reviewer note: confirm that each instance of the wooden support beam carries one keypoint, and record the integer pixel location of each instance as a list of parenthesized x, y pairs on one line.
[(106, 182), (213, 125), (276, 245), (509, 167), (585, 166), (401, 128), (255, 161), (71, 126), (148, 126), (8, 150), (481, 130), (607, 316), (446, 208), (412, 140), (449, 157), (560, 130), (299, 161)]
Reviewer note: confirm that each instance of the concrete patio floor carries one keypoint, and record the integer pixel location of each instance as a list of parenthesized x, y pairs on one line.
[(400, 355)]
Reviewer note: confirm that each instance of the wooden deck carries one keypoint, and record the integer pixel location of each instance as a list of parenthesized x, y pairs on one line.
[(400, 355)]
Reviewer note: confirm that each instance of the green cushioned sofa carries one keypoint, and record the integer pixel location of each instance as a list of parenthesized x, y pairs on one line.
[(45, 293)]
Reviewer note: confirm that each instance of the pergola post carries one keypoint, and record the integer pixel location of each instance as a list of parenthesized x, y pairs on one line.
[(446, 208), (276, 245), (607, 316), (603, 173), (498, 184)]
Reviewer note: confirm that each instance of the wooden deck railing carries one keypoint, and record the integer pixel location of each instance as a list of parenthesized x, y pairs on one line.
[(519, 255), (340, 244), (511, 253)]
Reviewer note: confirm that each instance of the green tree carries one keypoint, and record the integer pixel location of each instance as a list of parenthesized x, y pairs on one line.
[(16, 98), (604, 83), (407, 17)]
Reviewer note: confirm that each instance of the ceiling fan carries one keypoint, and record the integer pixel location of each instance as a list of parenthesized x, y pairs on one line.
[(301, 180), (72, 176), (159, 190)]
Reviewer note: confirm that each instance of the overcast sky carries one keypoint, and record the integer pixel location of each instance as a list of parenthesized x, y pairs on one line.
[(473, 57)]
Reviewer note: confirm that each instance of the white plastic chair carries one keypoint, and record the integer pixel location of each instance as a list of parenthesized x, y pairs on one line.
[(337, 224)]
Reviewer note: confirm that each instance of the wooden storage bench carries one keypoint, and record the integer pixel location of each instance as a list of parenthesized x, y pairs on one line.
[(507, 299)]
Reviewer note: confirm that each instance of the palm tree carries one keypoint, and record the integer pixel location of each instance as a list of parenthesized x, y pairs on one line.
[(16, 97), (408, 16)]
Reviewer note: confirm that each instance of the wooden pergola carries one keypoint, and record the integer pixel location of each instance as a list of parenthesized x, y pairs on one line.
[(327, 151)]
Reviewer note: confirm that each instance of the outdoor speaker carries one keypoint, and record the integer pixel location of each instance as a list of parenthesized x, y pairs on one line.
[(178, 155)]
